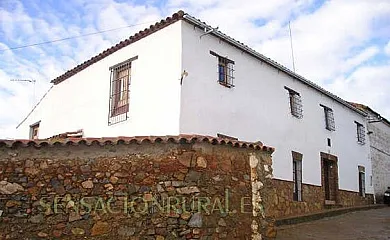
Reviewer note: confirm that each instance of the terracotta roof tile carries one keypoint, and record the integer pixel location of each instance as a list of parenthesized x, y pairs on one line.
[(133, 140), (368, 109)]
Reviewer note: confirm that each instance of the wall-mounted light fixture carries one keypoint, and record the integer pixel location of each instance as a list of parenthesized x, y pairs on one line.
[(183, 75)]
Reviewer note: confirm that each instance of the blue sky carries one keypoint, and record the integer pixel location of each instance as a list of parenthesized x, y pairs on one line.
[(342, 45)]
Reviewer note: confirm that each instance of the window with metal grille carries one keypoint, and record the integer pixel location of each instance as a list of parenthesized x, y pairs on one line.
[(297, 176), (295, 103), (34, 130), (120, 91), (361, 133), (225, 70), (362, 181), (329, 118)]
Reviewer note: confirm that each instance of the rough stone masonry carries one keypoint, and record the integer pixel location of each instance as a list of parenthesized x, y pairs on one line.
[(177, 189)]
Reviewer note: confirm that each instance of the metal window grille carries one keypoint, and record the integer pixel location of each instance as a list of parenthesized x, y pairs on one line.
[(362, 181), (296, 104), (361, 135), (34, 130), (119, 93), (297, 178), (329, 119), (225, 72)]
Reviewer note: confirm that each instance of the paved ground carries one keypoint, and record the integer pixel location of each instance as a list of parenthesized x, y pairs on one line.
[(362, 225)]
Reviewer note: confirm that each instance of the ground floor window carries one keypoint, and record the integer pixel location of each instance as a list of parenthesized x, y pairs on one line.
[(297, 176), (34, 130), (362, 181)]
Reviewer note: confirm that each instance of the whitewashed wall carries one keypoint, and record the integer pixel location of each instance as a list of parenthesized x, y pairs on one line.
[(81, 102), (257, 108)]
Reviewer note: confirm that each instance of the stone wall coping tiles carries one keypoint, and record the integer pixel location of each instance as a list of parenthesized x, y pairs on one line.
[(179, 139)]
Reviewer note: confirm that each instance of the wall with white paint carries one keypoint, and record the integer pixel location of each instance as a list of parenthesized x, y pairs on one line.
[(82, 101), (257, 108)]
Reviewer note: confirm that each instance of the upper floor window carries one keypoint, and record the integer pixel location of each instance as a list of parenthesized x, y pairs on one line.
[(120, 91), (225, 70), (295, 103), (34, 130), (329, 118), (361, 133)]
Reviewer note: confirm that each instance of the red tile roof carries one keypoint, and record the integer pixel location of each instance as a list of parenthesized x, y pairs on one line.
[(134, 140), (367, 108), (141, 34)]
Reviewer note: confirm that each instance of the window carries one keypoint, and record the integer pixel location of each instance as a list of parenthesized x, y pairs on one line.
[(34, 130), (297, 176), (295, 103), (370, 180), (329, 118), (120, 91), (329, 142), (225, 70), (361, 134), (362, 181)]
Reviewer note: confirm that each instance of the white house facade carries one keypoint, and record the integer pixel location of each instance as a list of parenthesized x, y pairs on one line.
[(182, 77)]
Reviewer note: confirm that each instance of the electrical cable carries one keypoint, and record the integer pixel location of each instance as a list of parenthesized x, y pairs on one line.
[(72, 37)]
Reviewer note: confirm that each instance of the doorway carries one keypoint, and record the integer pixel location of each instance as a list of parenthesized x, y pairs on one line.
[(329, 177)]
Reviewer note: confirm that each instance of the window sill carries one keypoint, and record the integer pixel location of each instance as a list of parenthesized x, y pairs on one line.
[(295, 116), (228, 85), (119, 110)]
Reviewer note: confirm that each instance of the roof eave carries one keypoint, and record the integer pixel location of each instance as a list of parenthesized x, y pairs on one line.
[(368, 109)]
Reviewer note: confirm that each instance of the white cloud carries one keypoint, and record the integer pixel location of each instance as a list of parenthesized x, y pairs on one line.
[(368, 85), (387, 48), (324, 39), (360, 58)]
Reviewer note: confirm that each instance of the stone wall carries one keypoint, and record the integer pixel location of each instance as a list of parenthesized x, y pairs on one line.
[(280, 203), (380, 158), (133, 190), (351, 199)]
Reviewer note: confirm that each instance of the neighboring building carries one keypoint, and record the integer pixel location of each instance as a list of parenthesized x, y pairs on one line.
[(379, 135), (180, 76)]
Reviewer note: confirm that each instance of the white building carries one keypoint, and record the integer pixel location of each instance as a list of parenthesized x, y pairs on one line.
[(183, 77)]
